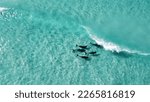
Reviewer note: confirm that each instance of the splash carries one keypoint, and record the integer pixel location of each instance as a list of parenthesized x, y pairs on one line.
[(111, 46)]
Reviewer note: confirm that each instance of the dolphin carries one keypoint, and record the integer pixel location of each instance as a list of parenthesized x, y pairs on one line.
[(97, 45), (82, 46), (92, 53), (79, 50), (84, 57)]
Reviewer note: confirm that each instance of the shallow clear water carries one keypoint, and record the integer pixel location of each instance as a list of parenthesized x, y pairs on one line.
[(37, 38)]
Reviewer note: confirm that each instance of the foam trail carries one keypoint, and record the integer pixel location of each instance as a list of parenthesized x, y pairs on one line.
[(111, 46), (3, 9)]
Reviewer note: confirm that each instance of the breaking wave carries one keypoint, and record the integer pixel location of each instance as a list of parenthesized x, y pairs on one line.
[(3, 9), (111, 46)]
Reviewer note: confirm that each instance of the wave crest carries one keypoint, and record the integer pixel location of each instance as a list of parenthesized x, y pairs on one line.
[(111, 46)]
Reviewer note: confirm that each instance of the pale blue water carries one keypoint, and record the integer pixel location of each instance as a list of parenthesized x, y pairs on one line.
[(37, 38)]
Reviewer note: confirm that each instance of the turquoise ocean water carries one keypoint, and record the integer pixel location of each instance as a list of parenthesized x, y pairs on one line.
[(37, 38)]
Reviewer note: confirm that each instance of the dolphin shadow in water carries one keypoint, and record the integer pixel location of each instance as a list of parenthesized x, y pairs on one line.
[(122, 54)]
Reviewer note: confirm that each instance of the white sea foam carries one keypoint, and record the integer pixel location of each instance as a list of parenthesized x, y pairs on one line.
[(111, 46), (3, 9)]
